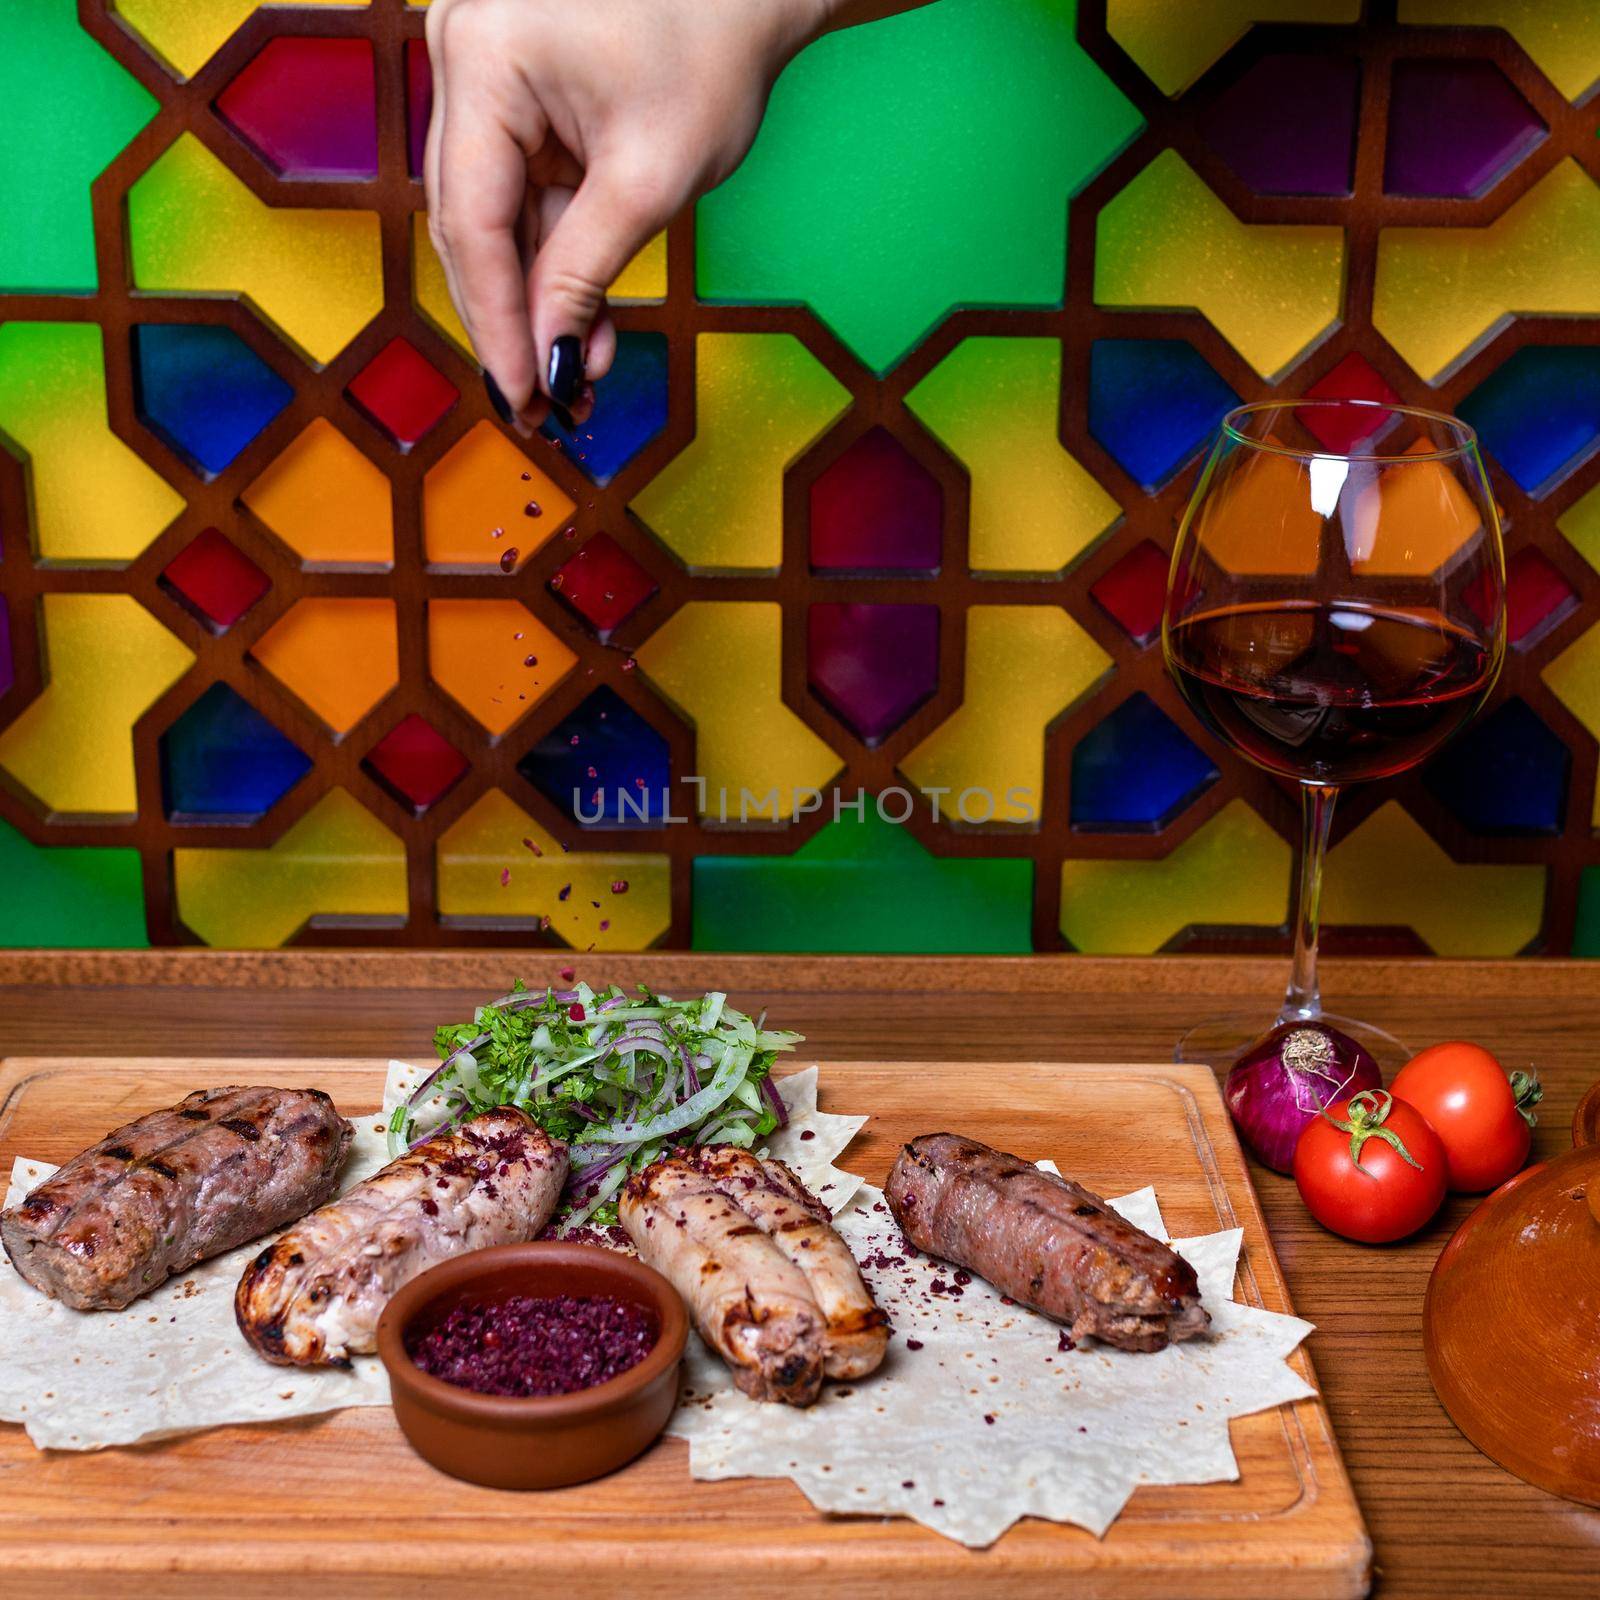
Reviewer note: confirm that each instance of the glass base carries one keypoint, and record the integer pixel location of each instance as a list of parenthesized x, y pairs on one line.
[(1219, 1041)]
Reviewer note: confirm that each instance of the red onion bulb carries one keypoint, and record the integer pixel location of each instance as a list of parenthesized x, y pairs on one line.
[(1283, 1080)]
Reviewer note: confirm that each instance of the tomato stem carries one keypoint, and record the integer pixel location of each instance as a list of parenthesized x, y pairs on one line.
[(1368, 1111), (1528, 1092)]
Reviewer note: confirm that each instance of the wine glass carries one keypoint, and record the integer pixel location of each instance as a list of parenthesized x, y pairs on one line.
[(1335, 611)]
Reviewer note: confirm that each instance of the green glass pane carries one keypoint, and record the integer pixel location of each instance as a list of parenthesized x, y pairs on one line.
[(69, 108), (862, 886), (1586, 932), (913, 165), (68, 897)]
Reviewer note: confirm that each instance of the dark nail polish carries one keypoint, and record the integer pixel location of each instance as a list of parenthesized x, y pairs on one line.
[(502, 406), (562, 417), (566, 369)]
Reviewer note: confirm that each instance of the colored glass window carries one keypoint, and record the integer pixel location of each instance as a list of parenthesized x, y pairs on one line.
[(222, 761), (603, 584), (873, 665), (341, 657), (1134, 591), (1135, 771), (1537, 597), (1287, 125), (1586, 934), (494, 657), (603, 765), (1538, 412), (1454, 128), (204, 390), (214, 579), (1505, 775), (630, 409), (419, 103), (308, 107), (403, 393), (863, 884), (326, 501), (485, 504), (416, 763), (1153, 403), (876, 509), (70, 896)]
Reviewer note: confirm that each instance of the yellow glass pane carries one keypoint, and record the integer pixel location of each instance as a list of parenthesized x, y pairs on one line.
[(761, 399), (1025, 666), (489, 877), (719, 663), (340, 657), (1560, 35), (994, 404), (94, 501), (327, 501), (1391, 871), (1233, 872), (475, 504), (1440, 293), (1574, 678), (431, 289), (1261, 520), (645, 277), (194, 228), (109, 661), (185, 34), (1174, 44), (495, 657), (1271, 290), (337, 864), (1580, 522)]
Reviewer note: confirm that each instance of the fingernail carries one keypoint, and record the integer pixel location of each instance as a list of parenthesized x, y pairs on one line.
[(566, 370), (502, 406)]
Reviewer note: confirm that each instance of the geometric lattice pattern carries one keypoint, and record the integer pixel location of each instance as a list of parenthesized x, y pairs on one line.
[(298, 643)]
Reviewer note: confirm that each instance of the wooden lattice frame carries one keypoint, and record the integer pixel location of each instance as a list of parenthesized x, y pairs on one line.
[(1378, 41)]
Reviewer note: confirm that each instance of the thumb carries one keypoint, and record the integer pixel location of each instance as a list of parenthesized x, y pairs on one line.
[(606, 223)]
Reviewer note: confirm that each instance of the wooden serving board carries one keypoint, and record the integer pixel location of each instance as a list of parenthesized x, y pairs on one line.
[(342, 1501)]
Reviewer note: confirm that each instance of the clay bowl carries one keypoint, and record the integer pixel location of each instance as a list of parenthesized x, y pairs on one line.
[(540, 1443)]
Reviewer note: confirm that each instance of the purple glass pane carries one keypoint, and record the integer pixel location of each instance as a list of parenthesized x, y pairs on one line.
[(1454, 128), (7, 674), (873, 665), (876, 509), (1288, 124)]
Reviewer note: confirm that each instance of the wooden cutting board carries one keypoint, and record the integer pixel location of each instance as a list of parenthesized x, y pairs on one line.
[(342, 1500)]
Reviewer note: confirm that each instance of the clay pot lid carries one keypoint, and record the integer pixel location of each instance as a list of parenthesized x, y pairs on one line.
[(1511, 1326)]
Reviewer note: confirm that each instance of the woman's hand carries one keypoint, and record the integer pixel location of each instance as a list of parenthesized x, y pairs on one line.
[(565, 134)]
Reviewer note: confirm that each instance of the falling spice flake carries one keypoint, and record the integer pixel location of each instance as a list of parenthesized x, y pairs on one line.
[(533, 509), (604, 924), (566, 889), (527, 477), (505, 877), (497, 533), (573, 739), (629, 664), (557, 581), (528, 844), (567, 974), (508, 559), (530, 661), (620, 886)]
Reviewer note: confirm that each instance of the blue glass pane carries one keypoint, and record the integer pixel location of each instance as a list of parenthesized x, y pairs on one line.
[(605, 765), (222, 761), (1135, 771), (1153, 403), (1506, 775), (204, 390), (630, 409), (1538, 413)]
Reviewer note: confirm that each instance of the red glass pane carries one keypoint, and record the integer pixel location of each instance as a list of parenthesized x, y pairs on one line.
[(876, 509), (307, 108), (419, 102), (215, 579), (1134, 591), (404, 393), (416, 763), (873, 665), (1537, 597), (1343, 428), (603, 584)]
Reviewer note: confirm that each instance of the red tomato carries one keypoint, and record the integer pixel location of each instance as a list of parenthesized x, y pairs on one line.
[(1483, 1119), (1355, 1181)]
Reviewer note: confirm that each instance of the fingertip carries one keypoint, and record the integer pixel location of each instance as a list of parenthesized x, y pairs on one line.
[(602, 347)]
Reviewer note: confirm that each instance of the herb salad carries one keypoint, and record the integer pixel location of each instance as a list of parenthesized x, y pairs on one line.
[(621, 1078)]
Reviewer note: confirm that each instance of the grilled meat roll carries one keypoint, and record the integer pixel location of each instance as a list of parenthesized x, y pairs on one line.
[(770, 1284), (313, 1298), (1045, 1241), (220, 1168)]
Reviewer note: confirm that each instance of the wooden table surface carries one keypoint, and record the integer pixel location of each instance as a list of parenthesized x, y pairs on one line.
[(1445, 1521)]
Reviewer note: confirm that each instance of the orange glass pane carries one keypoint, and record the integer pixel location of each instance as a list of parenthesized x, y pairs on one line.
[(1263, 521), (340, 657), (486, 505), (326, 501), (495, 657), (1423, 516)]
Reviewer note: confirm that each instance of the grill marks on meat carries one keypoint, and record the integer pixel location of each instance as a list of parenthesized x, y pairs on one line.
[(772, 1287), (314, 1297), (220, 1168), (1045, 1241)]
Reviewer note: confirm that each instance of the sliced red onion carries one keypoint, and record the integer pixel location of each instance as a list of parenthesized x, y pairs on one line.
[(769, 1093)]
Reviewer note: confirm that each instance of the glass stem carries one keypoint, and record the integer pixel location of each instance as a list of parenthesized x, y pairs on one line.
[(1303, 1000)]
